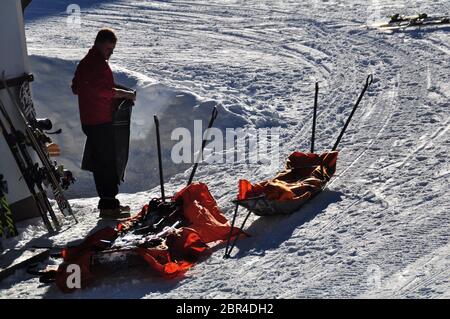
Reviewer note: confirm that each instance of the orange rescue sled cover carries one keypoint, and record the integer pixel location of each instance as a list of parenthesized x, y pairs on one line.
[(206, 222), (305, 176)]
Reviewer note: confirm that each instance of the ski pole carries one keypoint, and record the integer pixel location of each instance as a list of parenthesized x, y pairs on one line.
[(368, 83), (158, 142), (313, 137), (200, 154)]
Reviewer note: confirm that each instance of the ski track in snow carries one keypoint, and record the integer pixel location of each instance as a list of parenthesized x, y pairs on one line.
[(381, 227)]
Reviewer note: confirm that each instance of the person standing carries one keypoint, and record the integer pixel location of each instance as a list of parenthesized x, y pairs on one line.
[(94, 84)]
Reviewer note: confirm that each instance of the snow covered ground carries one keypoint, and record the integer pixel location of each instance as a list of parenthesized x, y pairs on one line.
[(381, 229)]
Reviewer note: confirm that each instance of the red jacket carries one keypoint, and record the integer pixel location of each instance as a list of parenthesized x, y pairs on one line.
[(93, 83)]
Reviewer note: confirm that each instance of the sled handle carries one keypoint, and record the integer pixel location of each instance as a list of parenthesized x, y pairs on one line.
[(313, 137), (214, 114), (369, 81), (158, 142)]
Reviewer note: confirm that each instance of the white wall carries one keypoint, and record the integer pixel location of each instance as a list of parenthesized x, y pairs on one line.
[(13, 50), (14, 61)]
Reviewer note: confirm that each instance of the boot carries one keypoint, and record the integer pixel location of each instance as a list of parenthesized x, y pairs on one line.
[(114, 213)]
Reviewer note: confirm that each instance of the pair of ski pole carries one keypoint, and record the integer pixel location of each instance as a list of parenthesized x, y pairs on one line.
[(214, 114), (369, 81)]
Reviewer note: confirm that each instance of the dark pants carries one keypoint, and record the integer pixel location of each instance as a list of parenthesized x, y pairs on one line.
[(100, 142)]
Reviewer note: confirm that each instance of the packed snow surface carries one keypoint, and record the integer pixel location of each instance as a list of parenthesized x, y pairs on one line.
[(381, 229)]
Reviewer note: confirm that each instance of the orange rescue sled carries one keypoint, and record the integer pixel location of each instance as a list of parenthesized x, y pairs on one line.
[(305, 176)]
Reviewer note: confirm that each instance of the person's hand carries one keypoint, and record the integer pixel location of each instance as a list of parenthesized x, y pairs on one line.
[(124, 94), (131, 95)]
